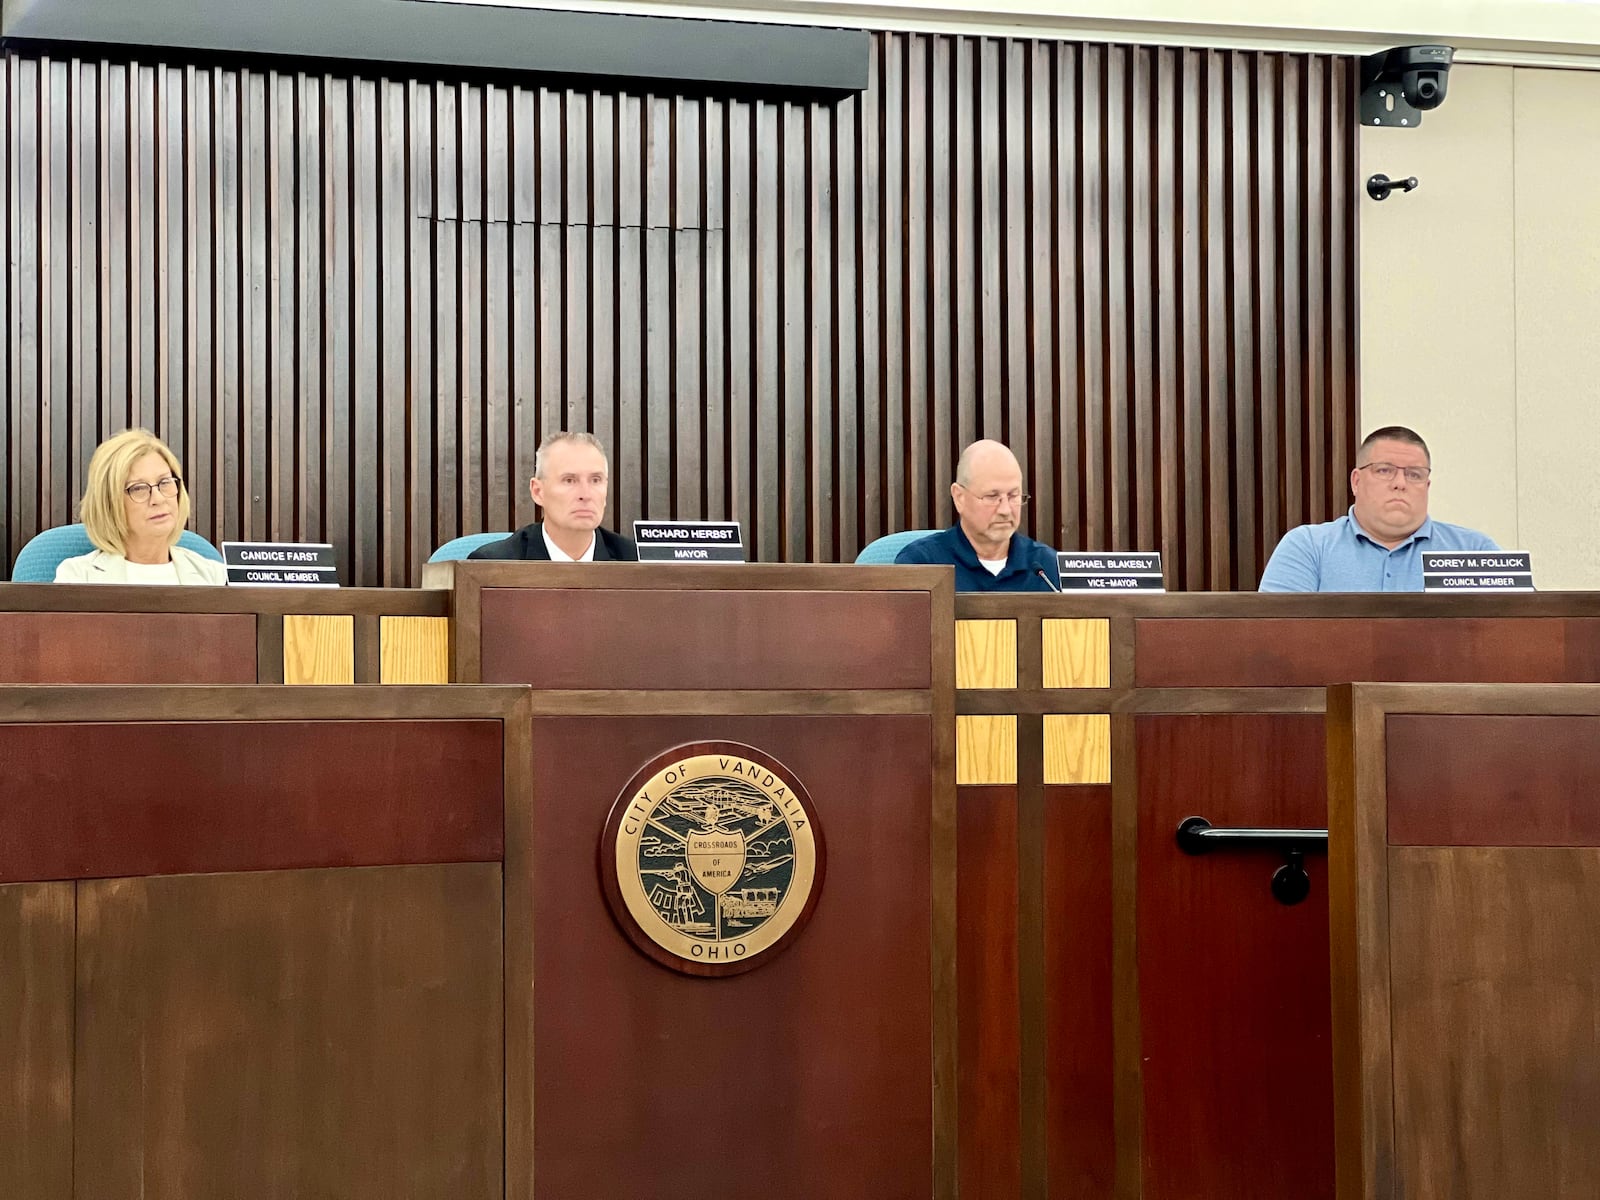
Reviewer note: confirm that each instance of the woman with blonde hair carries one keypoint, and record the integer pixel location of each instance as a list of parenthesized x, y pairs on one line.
[(134, 509)]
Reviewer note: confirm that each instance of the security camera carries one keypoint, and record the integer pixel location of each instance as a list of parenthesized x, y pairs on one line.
[(1424, 71), (1399, 85)]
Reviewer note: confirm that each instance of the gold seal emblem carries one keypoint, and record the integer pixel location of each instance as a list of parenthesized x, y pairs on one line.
[(712, 858)]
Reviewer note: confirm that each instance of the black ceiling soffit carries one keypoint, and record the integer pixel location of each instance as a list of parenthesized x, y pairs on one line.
[(716, 54)]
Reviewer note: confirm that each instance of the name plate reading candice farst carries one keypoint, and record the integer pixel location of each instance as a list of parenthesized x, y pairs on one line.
[(689, 541), (712, 859), (1477, 571), (1089, 571), (281, 564)]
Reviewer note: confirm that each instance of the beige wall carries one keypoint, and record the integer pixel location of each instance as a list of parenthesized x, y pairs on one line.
[(1438, 303), (1480, 307), (1558, 323)]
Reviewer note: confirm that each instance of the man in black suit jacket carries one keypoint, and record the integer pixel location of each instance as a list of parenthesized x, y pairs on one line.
[(571, 477)]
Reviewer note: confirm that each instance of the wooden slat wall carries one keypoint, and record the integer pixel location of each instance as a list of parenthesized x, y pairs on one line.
[(355, 304)]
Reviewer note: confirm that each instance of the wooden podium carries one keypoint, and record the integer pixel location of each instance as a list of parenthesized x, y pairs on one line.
[(828, 1070), (259, 942), (1125, 1011), (1465, 878)]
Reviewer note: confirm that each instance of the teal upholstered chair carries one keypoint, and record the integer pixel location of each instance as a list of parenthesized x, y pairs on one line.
[(462, 546), (46, 551), (885, 548)]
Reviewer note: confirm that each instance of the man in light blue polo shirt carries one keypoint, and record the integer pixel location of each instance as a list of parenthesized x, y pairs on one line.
[(1377, 546)]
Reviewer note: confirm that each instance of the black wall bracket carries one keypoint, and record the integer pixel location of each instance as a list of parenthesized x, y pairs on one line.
[(1379, 186)]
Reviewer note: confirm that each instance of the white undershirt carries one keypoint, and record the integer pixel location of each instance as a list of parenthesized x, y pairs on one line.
[(166, 572), (993, 565), (557, 554)]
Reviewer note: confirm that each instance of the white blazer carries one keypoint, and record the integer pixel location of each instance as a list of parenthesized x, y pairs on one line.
[(99, 567)]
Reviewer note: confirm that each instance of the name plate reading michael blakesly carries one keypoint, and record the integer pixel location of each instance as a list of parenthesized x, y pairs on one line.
[(1089, 571), (1477, 571), (280, 564), (689, 541)]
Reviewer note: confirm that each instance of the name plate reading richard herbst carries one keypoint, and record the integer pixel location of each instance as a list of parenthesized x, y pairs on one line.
[(689, 541), (1477, 571), (1089, 571), (281, 564)]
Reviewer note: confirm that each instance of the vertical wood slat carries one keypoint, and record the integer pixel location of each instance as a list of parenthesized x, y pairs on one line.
[(355, 305)]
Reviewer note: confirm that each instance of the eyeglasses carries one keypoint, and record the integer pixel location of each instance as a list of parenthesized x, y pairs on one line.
[(1385, 472), (139, 493), (992, 499)]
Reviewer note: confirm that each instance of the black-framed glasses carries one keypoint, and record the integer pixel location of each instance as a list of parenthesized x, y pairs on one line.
[(140, 493), (1385, 472)]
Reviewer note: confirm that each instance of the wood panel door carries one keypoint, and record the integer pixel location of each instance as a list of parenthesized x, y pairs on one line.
[(1466, 883), (1234, 1067)]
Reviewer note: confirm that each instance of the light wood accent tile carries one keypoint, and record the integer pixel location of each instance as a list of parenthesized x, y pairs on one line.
[(1077, 653), (986, 654), (1077, 748), (414, 650), (319, 649), (986, 750)]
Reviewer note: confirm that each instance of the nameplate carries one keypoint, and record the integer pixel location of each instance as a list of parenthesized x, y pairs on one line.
[(689, 541), (280, 564), (1477, 571), (1088, 571)]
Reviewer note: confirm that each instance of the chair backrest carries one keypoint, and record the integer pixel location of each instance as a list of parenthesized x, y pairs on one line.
[(46, 551), (885, 548), (462, 546), (190, 540)]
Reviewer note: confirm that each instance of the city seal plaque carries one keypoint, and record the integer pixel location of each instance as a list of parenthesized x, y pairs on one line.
[(712, 859)]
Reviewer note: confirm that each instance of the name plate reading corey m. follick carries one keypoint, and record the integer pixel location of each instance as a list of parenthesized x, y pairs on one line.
[(1477, 571), (689, 541), (1087, 571), (281, 564)]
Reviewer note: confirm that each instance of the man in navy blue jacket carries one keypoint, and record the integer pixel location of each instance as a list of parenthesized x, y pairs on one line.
[(984, 547)]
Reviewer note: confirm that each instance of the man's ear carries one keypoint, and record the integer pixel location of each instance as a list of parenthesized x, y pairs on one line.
[(536, 490)]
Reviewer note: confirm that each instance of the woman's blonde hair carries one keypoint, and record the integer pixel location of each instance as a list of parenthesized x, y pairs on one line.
[(103, 510)]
